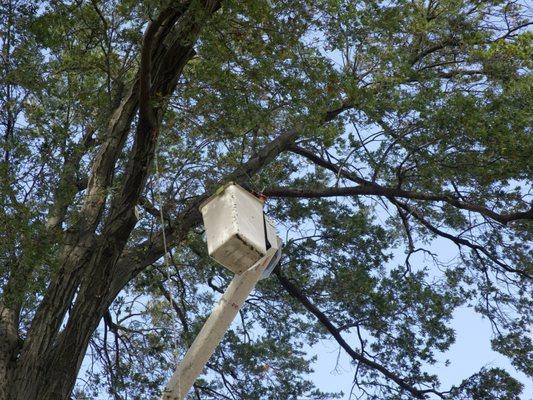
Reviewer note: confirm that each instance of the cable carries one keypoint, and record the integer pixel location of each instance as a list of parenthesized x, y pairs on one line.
[(166, 258)]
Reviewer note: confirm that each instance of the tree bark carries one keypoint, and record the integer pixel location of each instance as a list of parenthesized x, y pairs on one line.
[(8, 348)]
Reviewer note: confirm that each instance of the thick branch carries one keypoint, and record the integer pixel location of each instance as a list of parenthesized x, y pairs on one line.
[(370, 188), (326, 164), (377, 190)]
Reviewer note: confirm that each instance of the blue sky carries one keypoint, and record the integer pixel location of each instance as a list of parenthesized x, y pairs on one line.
[(470, 352)]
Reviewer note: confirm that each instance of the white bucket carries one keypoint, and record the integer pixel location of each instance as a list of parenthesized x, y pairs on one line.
[(236, 229)]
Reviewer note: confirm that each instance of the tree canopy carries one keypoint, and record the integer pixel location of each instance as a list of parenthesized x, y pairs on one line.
[(380, 132)]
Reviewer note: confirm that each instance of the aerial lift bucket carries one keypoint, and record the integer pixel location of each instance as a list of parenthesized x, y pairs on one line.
[(242, 239)]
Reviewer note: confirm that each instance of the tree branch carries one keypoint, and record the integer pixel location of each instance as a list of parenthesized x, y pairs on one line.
[(374, 189), (370, 188), (295, 292), (458, 240)]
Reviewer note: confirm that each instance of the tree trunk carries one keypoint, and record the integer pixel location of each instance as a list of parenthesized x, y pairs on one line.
[(8, 349), (90, 276)]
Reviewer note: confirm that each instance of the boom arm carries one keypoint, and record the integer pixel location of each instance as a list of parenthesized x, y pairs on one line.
[(216, 325)]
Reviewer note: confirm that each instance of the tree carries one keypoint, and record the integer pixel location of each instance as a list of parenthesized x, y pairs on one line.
[(374, 128)]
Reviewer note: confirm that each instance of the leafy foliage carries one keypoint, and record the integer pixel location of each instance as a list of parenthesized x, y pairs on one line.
[(423, 106)]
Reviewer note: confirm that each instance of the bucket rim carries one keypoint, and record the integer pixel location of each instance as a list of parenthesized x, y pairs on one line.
[(221, 190)]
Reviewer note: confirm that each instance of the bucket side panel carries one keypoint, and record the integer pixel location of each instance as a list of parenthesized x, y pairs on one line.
[(249, 219), (219, 222)]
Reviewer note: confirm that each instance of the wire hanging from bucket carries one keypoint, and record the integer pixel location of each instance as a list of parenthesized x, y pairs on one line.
[(166, 256)]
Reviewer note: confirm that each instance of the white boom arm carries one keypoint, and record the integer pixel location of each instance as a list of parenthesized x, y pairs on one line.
[(215, 327)]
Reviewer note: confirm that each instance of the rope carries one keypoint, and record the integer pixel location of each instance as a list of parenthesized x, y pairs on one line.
[(166, 258)]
